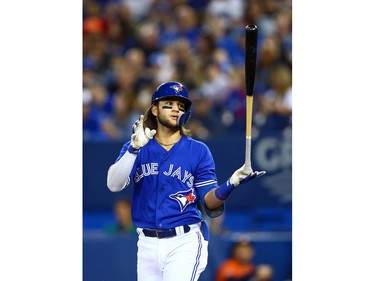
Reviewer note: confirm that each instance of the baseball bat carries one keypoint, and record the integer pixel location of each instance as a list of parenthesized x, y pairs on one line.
[(251, 38)]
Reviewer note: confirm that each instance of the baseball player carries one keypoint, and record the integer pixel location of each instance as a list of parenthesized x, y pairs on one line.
[(171, 173)]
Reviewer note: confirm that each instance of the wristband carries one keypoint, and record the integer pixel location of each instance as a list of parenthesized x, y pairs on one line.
[(223, 191), (133, 150)]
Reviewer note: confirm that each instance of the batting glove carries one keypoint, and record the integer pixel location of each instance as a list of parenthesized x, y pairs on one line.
[(140, 136), (240, 176)]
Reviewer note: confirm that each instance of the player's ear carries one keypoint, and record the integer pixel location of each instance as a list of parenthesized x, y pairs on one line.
[(154, 110)]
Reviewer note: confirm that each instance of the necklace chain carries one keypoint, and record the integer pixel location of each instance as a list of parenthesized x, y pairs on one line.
[(166, 144)]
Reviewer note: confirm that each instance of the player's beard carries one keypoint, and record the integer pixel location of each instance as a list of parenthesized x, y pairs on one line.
[(167, 123)]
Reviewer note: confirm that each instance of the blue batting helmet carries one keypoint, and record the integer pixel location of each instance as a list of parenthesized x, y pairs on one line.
[(171, 89), (174, 89)]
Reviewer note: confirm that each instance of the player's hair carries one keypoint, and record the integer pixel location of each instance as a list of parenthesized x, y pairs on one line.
[(150, 121)]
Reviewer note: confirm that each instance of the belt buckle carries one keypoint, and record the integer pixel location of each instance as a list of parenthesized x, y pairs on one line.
[(157, 232)]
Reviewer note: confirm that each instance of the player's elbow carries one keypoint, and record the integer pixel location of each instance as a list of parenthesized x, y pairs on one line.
[(114, 184), (113, 187)]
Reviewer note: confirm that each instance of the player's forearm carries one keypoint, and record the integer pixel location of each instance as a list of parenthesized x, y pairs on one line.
[(211, 201), (217, 196), (119, 172)]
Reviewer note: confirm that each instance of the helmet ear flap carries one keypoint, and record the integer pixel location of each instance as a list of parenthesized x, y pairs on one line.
[(184, 118)]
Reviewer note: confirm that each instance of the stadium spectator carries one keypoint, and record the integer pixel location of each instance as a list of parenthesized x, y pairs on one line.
[(135, 60), (118, 126), (181, 53), (142, 102), (139, 9), (91, 118), (184, 26), (204, 123), (230, 10), (263, 272), (126, 77), (123, 221), (239, 266), (205, 47), (253, 12), (267, 22), (234, 108), (269, 56), (148, 40), (163, 66), (276, 103), (216, 84), (93, 21), (284, 33), (101, 99), (121, 34)]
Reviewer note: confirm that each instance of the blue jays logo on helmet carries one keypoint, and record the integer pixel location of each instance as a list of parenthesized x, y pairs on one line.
[(177, 88), (171, 89), (184, 198)]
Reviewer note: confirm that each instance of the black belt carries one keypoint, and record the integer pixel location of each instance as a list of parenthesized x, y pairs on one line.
[(163, 233)]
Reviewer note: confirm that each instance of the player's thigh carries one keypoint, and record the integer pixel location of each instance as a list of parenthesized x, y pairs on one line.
[(148, 266), (188, 260)]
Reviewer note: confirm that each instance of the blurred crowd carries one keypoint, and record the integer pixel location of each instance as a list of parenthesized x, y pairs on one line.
[(132, 46)]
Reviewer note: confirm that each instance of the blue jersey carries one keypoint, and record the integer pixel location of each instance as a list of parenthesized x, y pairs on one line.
[(169, 184)]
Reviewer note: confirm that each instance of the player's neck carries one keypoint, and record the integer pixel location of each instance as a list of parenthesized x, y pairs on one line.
[(167, 138)]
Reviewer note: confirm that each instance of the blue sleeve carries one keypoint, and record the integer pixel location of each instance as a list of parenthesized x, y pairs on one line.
[(205, 180)]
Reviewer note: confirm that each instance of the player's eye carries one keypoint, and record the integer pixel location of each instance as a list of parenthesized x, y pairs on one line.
[(181, 107)]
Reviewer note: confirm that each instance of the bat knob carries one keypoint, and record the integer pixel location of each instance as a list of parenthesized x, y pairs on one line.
[(251, 27)]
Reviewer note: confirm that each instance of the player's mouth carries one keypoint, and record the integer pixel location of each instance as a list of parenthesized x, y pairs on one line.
[(174, 117)]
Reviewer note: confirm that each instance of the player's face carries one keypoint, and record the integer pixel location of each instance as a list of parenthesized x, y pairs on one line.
[(169, 111)]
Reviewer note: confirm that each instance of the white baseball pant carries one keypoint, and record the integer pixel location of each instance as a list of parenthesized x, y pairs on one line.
[(179, 258)]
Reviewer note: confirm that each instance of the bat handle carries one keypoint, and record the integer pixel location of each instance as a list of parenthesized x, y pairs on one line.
[(248, 155)]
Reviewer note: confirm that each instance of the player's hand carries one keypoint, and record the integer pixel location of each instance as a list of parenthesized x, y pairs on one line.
[(241, 176), (140, 136)]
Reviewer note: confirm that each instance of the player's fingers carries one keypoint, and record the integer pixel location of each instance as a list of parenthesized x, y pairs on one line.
[(259, 174), (152, 133), (147, 132), (244, 174), (135, 126), (140, 122), (133, 136)]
